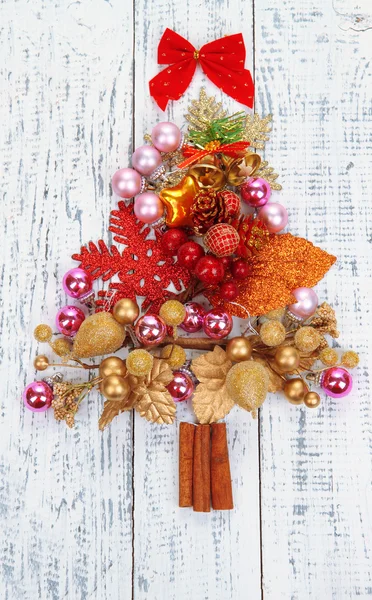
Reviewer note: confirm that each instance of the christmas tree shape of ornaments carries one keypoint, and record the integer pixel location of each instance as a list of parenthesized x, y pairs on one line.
[(195, 218)]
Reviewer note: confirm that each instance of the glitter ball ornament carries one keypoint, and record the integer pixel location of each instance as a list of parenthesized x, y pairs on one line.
[(232, 203), (222, 239), (295, 390), (312, 400), (306, 305), (150, 330), (174, 355), (114, 388), (307, 339), (209, 270), (172, 240), (240, 269), (255, 192), (247, 383), (69, 320), (41, 363), (112, 365), (172, 312), (188, 255), (125, 311), (139, 362), (287, 359), (239, 349), (181, 387), (272, 333), (77, 283), (217, 324), (194, 317), (350, 359), (99, 334), (43, 333), (37, 396), (229, 291), (329, 357), (336, 382), (62, 346)]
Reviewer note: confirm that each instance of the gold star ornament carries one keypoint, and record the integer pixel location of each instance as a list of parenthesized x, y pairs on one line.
[(178, 201)]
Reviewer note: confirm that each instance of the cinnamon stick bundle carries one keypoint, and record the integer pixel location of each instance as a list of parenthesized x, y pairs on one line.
[(186, 458), (220, 469), (202, 470)]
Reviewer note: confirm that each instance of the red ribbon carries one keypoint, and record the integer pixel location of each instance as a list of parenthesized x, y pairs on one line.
[(221, 60), (194, 154)]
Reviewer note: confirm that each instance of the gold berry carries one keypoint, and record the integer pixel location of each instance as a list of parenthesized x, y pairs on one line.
[(239, 349), (312, 400), (272, 333), (139, 362), (112, 365), (350, 359), (173, 312), (287, 359), (125, 311), (295, 390), (307, 339), (174, 355), (275, 315), (62, 347), (43, 333), (114, 388), (41, 363), (328, 357)]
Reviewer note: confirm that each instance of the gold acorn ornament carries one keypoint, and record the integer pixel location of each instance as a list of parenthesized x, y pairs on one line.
[(112, 365), (239, 349), (295, 390), (247, 384), (114, 388), (99, 334), (125, 311)]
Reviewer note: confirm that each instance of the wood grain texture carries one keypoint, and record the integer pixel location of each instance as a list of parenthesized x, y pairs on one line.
[(86, 515)]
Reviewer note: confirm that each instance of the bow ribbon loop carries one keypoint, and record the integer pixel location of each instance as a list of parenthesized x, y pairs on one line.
[(221, 60)]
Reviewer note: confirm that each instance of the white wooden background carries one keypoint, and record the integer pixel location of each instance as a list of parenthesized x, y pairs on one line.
[(86, 515)]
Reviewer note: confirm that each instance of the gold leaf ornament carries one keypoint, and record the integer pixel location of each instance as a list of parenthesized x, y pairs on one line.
[(151, 397), (211, 402)]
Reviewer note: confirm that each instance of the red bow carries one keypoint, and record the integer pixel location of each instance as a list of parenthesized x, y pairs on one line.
[(222, 61), (195, 155)]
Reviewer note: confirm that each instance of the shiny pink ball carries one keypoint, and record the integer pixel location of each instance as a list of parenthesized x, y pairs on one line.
[(77, 283), (337, 382), (126, 183), (37, 396), (255, 192), (217, 323), (69, 319), (181, 387), (150, 330), (148, 207), (307, 303), (274, 216), (146, 159), (166, 137), (194, 318)]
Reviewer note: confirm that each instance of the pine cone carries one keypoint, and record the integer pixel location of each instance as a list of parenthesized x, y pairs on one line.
[(253, 235), (209, 208)]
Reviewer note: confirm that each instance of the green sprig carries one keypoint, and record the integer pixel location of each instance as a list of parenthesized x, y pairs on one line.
[(226, 130)]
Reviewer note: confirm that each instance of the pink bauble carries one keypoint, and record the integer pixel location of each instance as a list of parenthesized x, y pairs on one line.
[(166, 137), (77, 283), (37, 396), (150, 330), (181, 387), (146, 159), (69, 319), (255, 192), (148, 207), (194, 318), (337, 382), (126, 183), (217, 323), (307, 303), (274, 216)]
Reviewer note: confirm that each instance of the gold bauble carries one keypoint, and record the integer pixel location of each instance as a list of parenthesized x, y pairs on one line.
[(41, 363), (125, 311), (247, 384), (62, 346), (329, 357), (114, 388), (307, 339), (98, 334), (139, 362), (173, 312), (208, 174), (295, 390), (272, 333), (350, 359), (112, 365), (43, 333), (312, 400), (287, 359), (174, 355), (239, 349)]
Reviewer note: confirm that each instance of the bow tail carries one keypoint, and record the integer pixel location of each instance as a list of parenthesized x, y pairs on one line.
[(172, 82), (236, 84)]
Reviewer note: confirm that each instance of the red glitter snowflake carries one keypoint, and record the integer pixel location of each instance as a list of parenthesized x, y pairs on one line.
[(142, 267)]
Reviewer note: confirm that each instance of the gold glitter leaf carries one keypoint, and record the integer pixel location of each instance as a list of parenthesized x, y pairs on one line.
[(267, 173), (213, 365), (203, 111), (257, 130), (152, 399)]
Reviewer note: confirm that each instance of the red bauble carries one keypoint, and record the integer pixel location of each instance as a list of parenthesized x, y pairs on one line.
[(172, 240), (209, 270), (189, 253), (226, 262), (229, 291), (240, 269), (222, 239)]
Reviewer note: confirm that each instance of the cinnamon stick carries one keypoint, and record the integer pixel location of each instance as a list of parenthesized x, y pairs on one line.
[(220, 469), (186, 457), (202, 469)]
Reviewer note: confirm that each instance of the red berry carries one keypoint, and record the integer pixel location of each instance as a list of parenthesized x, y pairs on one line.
[(226, 261), (188, 254), (209, 270), (172, 240), (229, 291), (240, 269)]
